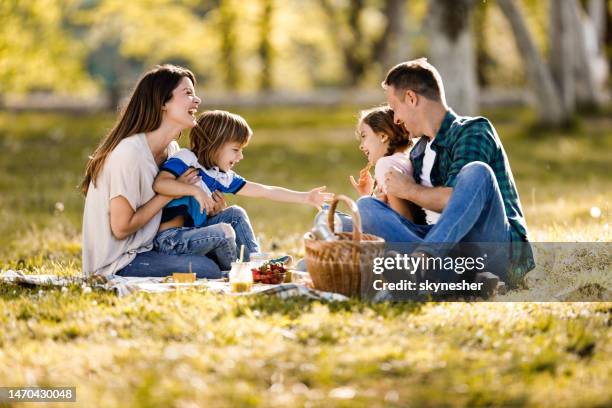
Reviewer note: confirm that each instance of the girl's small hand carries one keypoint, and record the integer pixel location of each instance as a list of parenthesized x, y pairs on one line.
[(317, 196), (206, 202), (191, 176), (365, 185)]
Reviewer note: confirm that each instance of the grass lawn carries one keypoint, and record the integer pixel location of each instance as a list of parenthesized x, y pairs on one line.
[(192, 348)]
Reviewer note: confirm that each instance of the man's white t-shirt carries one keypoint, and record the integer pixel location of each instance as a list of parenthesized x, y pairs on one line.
[(129, 171), (428, 161)]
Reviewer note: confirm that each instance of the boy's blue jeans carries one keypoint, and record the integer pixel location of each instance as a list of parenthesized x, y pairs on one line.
[(238, 218), (220, 238), (475, 213)]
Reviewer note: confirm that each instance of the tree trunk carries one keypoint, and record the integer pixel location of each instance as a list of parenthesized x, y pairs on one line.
[(586, 58), (483, 58), (561, 35), (608, 37), (550, 108), (599, 16), (353, 58), (227, 28), (349, 38), (265, 46), (392, 48), (597, 13), (451, 50)]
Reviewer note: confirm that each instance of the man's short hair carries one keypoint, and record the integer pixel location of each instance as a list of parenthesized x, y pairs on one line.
[(417, 75)]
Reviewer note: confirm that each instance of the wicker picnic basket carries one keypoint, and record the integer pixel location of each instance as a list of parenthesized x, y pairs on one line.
[(344, 265)]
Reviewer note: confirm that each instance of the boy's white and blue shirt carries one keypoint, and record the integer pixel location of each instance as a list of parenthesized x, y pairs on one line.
[(212, 179)]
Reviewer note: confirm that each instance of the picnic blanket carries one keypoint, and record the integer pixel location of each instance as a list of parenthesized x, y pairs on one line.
[(124, 286)]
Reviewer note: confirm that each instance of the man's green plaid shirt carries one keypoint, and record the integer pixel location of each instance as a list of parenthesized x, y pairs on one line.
[(462, 140)]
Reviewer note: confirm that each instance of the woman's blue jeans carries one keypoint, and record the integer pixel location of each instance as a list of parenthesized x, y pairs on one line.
[(157, 265)]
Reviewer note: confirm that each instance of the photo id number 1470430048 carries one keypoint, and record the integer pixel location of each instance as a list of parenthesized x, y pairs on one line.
[(37, 394)]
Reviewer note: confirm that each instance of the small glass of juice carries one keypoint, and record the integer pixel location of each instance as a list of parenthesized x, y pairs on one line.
[(241, 277)]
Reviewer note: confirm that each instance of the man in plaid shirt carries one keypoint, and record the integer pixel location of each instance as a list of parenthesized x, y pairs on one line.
[(462, 178)]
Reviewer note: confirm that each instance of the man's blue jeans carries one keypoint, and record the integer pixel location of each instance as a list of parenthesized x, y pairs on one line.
[(475, 213)]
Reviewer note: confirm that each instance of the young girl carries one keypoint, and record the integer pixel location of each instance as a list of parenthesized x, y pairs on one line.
[(385, 144), (217, 142)]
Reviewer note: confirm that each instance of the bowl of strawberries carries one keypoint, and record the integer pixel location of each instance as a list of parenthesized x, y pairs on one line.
[(269, 273)]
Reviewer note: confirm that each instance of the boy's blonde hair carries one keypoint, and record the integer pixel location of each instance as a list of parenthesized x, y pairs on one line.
[(380, 119), (214, 129)]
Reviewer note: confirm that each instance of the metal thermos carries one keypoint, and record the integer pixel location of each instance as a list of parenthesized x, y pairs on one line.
[(321, 229)]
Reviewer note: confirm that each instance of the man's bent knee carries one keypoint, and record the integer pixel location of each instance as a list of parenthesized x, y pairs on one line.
[(477, 169), (365, 203), (370, 209)]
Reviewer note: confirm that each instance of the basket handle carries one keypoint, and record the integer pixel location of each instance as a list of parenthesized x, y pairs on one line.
[(354, 215)]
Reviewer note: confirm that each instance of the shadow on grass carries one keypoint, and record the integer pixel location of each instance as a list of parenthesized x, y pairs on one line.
[(294, 307), (10, 291)]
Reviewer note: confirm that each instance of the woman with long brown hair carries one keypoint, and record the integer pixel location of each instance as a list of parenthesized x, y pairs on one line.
[(122, 212)]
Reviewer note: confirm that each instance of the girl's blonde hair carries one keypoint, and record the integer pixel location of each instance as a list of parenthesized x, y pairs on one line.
[(380, 119), (214, 129)]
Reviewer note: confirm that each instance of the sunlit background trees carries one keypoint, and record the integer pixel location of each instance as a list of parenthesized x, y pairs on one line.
[(300, 71), (73, 50)]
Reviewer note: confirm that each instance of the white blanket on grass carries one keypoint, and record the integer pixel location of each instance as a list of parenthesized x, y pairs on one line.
[(123, 286)]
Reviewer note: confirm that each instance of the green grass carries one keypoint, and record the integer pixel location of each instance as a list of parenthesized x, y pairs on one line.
[(193, 348)]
